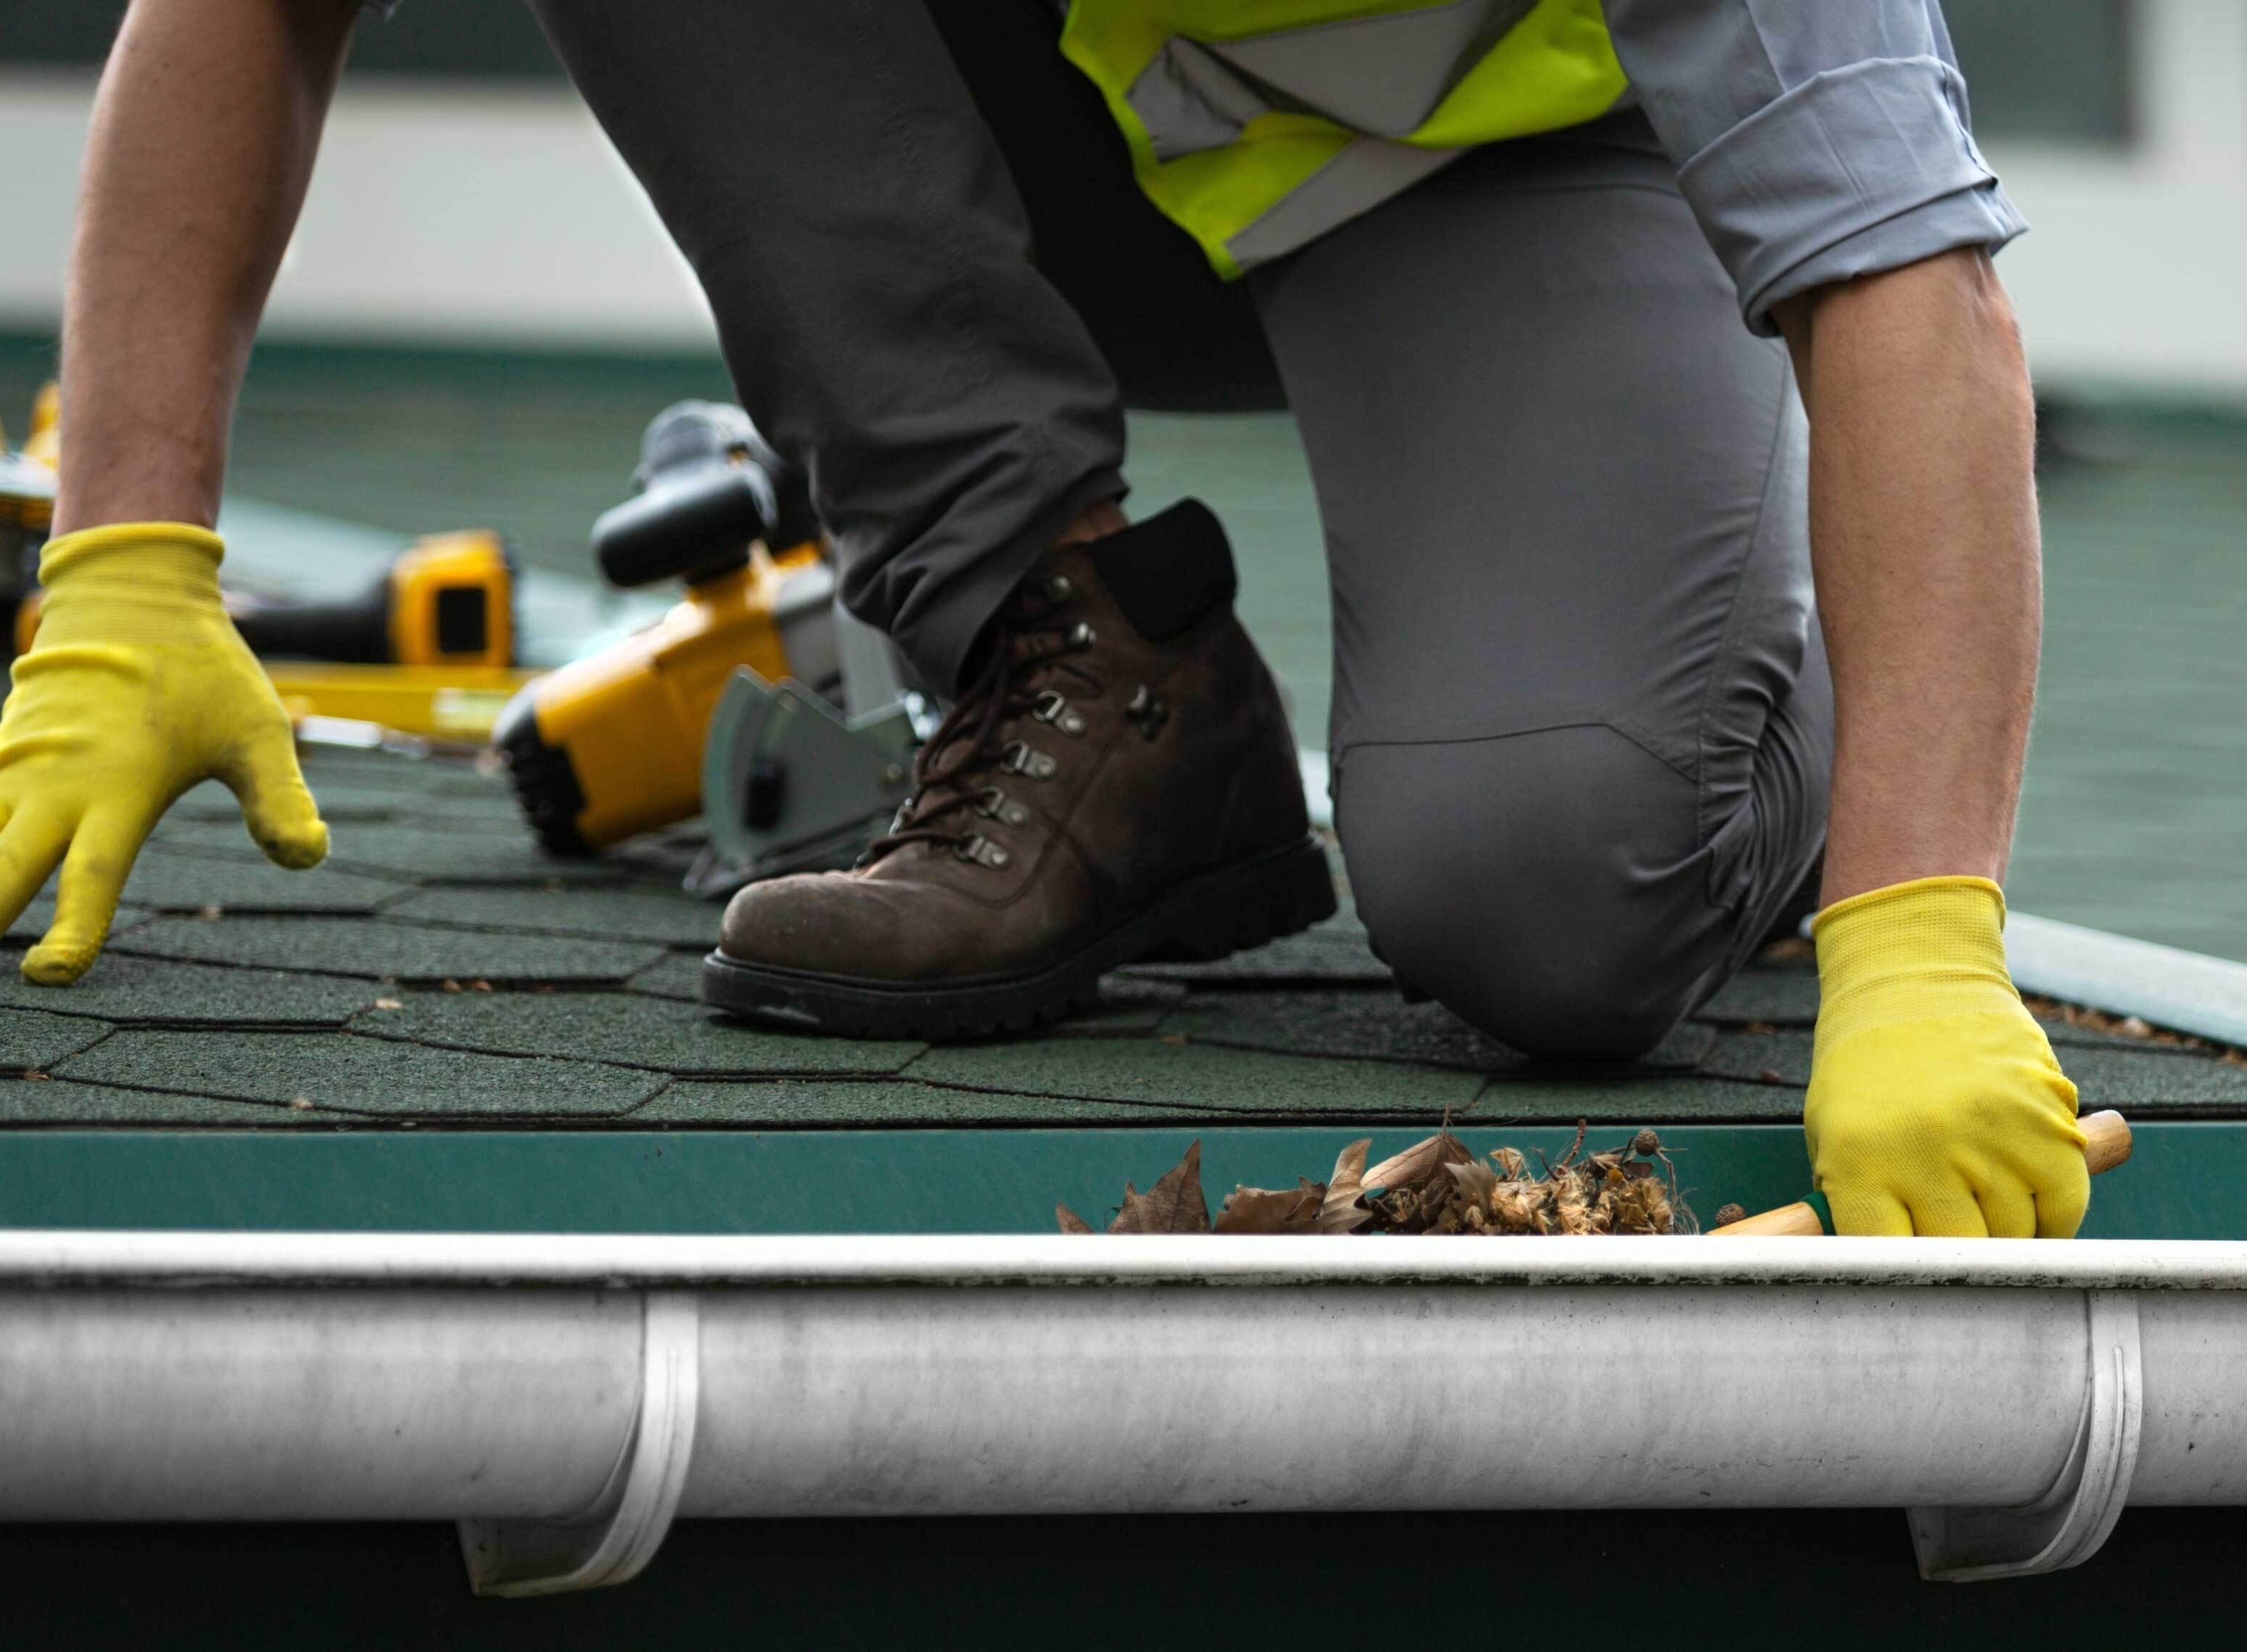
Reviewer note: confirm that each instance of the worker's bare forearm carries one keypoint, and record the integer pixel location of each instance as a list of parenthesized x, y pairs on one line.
[(202, 142), (1923, 535)]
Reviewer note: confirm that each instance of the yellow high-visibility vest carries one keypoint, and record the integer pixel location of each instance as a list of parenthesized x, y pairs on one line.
[(1258, 125)]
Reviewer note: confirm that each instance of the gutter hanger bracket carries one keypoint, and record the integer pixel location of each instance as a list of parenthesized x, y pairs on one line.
[(2069, 1523), (614, 1541)]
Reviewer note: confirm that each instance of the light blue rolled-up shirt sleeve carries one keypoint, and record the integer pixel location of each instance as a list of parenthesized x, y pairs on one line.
[(1814, 139)]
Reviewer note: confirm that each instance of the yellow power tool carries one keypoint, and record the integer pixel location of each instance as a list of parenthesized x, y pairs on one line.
[(613, 745), (446, 600)]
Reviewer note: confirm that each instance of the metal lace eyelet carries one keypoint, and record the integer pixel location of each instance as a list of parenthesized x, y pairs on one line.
[(1080, 635), (1058, 588), (1148, 713), (1053, 708), (994, 804), (982, 851), (1019, 759)]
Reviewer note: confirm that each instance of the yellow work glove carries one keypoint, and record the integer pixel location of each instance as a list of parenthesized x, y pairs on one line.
[(1936, 1106), (136, 688)]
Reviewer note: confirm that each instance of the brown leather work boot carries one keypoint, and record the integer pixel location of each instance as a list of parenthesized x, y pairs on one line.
[(1118, 784)]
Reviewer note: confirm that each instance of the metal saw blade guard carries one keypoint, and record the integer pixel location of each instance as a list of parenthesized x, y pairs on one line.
[(790, 784)]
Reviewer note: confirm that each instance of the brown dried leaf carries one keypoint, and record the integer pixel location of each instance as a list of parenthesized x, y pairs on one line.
[(1340, 1211), (1417, 1164), (1070, 1221), (1174, 1204), (1259, 1209)]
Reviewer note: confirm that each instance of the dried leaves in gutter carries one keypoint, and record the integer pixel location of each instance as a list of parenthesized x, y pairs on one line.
[(1434, 1186), (1174, 1204)]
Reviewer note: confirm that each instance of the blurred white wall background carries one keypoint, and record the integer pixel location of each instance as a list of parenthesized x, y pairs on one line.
[(494, 211)]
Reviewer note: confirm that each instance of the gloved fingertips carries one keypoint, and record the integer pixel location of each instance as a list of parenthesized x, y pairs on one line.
[(278, 809), (30, 847), (2060, 1211), (60, 963), (299, 846), (86, 893), (1948, 1215), (1868, 1213), (2009, 1209)]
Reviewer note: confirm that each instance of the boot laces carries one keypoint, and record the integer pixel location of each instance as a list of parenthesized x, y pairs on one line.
[(951, 773)]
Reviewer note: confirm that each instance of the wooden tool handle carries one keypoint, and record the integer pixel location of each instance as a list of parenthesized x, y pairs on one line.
[(2106, 1143)]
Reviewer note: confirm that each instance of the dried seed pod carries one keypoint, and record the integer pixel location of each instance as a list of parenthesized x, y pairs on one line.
[(1572, 1211), (1646, 1143), (1726, 1215), (1641, 1208)]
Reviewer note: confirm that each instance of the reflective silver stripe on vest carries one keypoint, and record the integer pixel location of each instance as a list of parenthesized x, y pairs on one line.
[(1358, 178), (1383, 76), (1189, 101)]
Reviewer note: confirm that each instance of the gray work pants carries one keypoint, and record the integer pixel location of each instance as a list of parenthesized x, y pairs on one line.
[(1581, 722), (1582, 729)]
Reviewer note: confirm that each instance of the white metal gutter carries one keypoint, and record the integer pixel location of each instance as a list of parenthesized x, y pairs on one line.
[(564, 1397)]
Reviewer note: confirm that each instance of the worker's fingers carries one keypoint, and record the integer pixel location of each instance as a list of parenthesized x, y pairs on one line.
[(2061, 1201), (1866, 1210), (276, 805), (94, 869), (2008, 1205), (31, 843), (1944, 1207)]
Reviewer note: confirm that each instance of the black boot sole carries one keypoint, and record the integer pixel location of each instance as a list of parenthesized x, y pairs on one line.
[(1243, 905)]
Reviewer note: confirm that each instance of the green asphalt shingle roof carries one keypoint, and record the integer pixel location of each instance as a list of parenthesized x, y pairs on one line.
[(441, 971)]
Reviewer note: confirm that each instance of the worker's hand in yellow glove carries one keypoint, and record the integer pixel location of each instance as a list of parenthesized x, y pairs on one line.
[(1936, 1106), (136, 688)]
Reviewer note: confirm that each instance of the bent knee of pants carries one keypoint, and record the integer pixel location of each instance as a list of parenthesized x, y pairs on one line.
[(1550, 888)]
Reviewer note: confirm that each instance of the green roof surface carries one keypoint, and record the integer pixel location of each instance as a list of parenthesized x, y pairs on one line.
[(441, 971)]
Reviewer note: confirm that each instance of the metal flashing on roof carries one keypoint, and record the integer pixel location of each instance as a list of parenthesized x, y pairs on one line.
[(2166, 986)]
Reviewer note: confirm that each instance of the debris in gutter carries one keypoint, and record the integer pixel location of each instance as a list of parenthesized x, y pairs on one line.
[(2131, 1027), (1434, 1186)]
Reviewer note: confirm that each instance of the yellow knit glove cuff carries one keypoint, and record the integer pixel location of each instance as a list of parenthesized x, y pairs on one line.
[(1933, 946), (148, 584)]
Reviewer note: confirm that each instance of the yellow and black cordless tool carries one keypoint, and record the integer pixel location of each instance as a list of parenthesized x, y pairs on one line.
[(428, 649), (613, 745), (447, 600)]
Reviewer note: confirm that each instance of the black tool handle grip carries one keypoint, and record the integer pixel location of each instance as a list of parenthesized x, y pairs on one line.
[(355, 631), (681, 526)]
